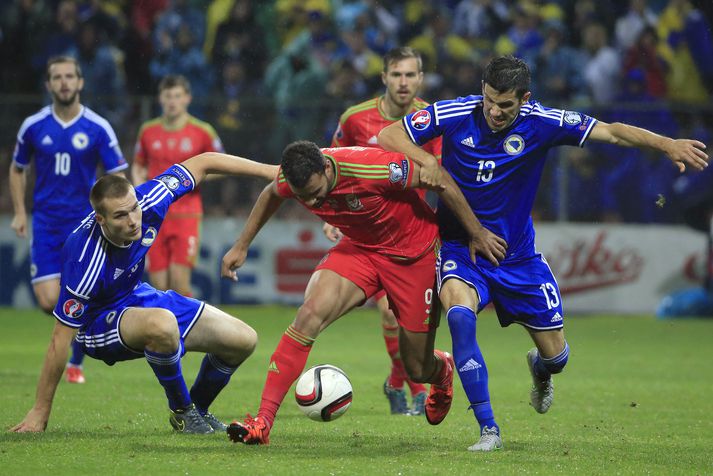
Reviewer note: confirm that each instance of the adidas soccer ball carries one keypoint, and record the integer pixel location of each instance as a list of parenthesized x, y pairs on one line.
[(323, 392)]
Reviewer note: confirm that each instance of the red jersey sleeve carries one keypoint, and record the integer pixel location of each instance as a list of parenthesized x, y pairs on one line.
[(342, 137), (140, 150)]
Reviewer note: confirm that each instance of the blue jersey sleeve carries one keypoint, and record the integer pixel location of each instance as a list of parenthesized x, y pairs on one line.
[(437, 118), (23, 147), (82, 261), (109, 150), (573, 127), (157, 195)]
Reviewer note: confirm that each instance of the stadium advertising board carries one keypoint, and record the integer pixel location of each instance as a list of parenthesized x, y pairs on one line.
[(622, 268)]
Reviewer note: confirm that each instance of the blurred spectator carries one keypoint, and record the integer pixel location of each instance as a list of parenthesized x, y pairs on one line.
[(62, 37), (184, 58), (438, 44), (102, 68), (630, 26), (480, 20), (582, 173), (557, 72), (321, 39), (644, 56), (22, 27), (638, 173), (523, 39), (364, 61), (241, 39), (137, 43), (296, 81), (602, 65), (380, 27), (683, 45), (173, 19)]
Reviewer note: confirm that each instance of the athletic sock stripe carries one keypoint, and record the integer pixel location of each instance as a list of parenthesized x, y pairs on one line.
[(559, 357), (163, 359), (220, 365), (299, 337)]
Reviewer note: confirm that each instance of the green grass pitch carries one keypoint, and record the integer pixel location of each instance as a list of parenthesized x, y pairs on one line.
[(636, 398)]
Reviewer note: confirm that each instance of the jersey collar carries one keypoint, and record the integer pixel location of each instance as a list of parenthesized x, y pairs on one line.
[(67, 124)]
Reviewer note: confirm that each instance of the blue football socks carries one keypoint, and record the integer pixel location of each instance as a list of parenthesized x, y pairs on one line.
[(167, 368), (470, 363), (212, 377), (544, 368)]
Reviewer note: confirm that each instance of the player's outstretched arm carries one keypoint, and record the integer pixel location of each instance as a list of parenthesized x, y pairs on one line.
[(682, 152), (18, 185), (216, 163), (55, 359), (394, 138), (266, 205)]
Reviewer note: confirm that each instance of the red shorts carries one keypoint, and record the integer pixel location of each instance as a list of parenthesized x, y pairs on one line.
[(408, 284), (178, 242)]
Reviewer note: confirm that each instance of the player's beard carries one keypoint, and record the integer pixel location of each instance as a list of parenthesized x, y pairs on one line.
[(65, 102)]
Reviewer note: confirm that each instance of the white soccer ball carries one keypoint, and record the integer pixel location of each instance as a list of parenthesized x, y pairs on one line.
[(323, 392)]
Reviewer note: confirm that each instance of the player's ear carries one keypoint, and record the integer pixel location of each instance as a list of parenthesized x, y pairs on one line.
[(383, 77), (525, 97)]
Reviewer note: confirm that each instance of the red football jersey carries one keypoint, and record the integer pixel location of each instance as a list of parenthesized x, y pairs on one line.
[(371, 204), (158, 148), (360, 125)]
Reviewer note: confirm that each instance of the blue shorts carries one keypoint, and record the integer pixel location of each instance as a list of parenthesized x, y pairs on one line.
[(48, 237), (102, 340), (523, 290)]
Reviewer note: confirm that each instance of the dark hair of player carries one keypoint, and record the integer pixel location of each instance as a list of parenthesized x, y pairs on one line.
[(300, 161), (174, 80), (508, 73)]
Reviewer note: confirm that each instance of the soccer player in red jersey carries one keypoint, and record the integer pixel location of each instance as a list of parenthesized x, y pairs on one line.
[(360, 125), (162, 142), (390, 242)]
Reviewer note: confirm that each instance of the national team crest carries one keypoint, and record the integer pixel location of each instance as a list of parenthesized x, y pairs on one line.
[(420, 119), (353, 202), (80, 140), (513, 144), (73, 308), (149, 236), (170, 181), (573, 118)]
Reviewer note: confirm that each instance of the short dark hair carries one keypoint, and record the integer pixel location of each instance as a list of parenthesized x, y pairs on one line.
[(508, 73), (63, 59), (398, 54), (108, 186), (300, 161), (174, 80)]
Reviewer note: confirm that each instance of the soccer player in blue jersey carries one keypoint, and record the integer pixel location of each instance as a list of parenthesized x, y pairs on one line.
[(67, 141), (117, 317), (494, 146)]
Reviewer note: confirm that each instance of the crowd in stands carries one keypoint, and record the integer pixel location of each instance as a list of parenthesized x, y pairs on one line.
[(265, 73)]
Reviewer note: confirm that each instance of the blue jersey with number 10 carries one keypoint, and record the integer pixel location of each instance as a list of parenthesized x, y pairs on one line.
[(498, 172), (66, 158)]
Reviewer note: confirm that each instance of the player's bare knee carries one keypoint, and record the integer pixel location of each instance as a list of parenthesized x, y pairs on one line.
[(161, 330)]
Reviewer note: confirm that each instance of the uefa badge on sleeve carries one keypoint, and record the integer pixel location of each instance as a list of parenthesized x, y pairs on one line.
[(420, 119), (73, 308)]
